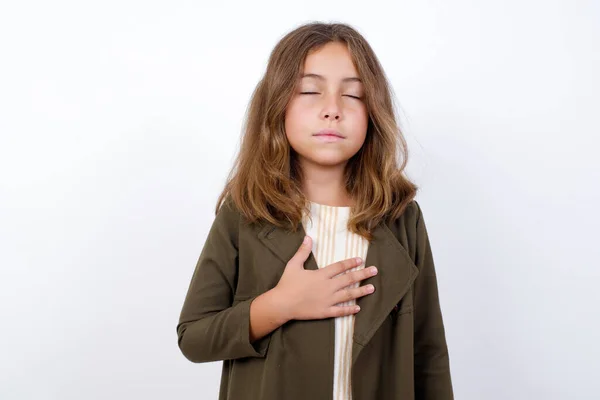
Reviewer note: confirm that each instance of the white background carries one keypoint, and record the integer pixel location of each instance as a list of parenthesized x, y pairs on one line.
[(119, 121)]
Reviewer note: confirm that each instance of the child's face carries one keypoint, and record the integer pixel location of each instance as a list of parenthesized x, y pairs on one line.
[(331, 107)]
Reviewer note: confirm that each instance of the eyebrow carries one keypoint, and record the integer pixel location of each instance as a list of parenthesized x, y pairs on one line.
[(322, 78)]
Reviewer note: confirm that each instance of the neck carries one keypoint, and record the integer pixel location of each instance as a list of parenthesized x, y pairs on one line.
[(325, 185)]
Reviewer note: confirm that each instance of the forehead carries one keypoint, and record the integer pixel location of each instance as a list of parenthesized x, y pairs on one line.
[(322, 78), (333, 61)]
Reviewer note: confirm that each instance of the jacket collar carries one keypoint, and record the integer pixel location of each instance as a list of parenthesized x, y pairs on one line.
[(396, 272)]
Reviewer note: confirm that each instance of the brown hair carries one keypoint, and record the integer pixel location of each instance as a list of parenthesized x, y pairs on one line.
[(265, 181)]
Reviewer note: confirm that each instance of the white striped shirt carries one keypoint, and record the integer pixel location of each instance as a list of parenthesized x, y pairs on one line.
[(333, 242)]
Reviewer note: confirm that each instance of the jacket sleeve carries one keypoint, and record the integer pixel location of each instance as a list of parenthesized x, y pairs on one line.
[(432, 365), (211, 326)]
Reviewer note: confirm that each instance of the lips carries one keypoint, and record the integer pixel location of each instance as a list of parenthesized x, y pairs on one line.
[(330, 133)]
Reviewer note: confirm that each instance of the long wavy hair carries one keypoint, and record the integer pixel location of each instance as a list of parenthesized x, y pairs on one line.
[(265, 180)]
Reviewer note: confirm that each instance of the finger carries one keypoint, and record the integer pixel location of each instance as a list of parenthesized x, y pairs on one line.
[(340, 311), (337, 268), (350, 278), (352, 293), (303, 252)]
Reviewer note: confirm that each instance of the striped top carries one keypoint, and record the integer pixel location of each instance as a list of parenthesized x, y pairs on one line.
[(333, 242)]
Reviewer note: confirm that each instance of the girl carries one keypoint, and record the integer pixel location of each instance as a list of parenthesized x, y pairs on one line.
[(306, 319)]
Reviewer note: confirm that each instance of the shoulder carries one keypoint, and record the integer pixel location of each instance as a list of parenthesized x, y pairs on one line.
[(409, 218), (409, 226), (413, 210), (227, 218)]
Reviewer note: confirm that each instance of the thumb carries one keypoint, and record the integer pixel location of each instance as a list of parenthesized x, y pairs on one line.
[(303, 252)]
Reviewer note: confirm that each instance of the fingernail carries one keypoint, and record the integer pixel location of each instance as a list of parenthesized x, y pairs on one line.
[(359, 260), (373, 270), (305, 241)]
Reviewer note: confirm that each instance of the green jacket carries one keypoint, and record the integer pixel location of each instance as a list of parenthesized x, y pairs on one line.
[(399, 345)]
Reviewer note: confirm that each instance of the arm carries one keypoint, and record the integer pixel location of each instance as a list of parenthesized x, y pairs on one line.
[(265, 315), (432, 369), (210, 328)]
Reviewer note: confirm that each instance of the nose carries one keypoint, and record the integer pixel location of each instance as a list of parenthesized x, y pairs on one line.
[(331, 116), (331, 109)]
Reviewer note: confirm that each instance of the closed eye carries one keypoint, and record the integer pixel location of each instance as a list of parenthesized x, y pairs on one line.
[(347, 95)]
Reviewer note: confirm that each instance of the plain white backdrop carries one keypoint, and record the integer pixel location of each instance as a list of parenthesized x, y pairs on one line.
[(119, 121)]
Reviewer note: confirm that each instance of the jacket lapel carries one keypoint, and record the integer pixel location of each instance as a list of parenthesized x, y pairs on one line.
[(396, 272)]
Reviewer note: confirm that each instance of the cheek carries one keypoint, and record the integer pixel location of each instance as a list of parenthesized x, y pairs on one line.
[(360, 114), (360, 121), (295, 117)]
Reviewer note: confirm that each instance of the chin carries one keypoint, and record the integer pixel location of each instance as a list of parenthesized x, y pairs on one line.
[(328, 161)]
